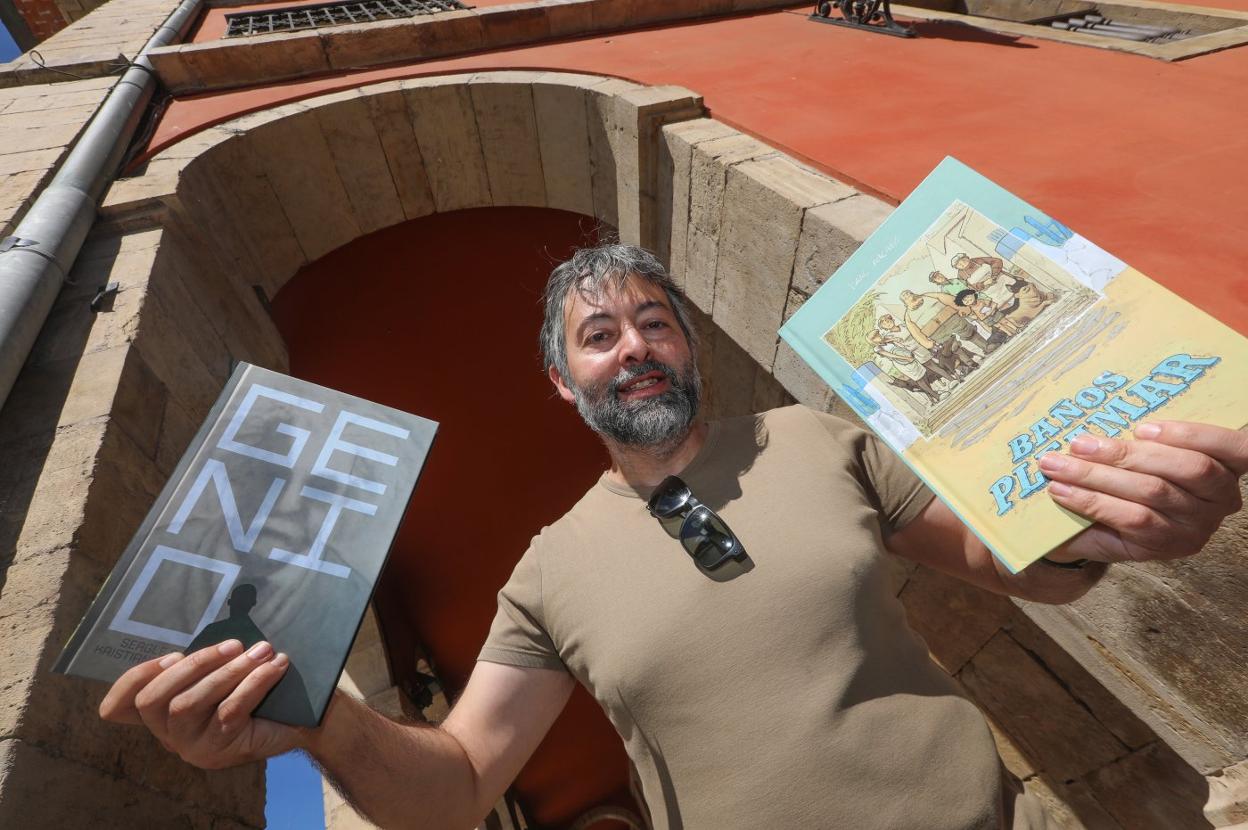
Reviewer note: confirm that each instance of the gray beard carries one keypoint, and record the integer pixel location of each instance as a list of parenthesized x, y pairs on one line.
[(658, 423)]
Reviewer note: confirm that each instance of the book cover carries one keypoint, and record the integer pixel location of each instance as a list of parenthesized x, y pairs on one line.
[(974, 334), (274, 526)]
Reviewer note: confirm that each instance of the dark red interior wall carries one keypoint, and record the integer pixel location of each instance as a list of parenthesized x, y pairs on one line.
[(439, 316)]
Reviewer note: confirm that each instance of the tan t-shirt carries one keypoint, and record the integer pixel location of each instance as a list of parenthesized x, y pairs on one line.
[(783, 692)]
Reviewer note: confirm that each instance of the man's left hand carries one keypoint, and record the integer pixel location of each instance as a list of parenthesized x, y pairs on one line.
[(1159, 497)]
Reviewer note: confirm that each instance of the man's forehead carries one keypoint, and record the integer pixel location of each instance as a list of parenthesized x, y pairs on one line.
[(613, 298)]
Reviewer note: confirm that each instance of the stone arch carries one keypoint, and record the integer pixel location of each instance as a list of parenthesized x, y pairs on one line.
[(373, 156)]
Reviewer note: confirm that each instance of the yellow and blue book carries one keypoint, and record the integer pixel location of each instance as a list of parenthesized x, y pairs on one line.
[(974, 334)]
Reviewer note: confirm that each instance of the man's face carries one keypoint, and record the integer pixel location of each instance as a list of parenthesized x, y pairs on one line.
[(632, 374), (962, 262), (887, 322), (938, 278), (911, 299)]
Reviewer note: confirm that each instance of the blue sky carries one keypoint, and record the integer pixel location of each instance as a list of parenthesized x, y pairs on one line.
[(294, 800), (8, 49)]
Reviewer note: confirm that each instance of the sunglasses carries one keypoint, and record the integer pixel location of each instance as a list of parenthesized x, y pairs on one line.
[(705, 536)]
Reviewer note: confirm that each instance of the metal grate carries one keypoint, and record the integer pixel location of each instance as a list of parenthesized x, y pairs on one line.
[(332, 14), (1093, 23)]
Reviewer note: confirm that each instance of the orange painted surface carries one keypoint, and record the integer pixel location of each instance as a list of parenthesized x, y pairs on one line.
[(1148, 159), (439, 316)]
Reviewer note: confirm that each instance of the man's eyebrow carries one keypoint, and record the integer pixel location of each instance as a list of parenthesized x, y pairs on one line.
[(603, 315)]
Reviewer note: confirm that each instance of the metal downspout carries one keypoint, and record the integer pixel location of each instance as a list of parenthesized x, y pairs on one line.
[(35, 260)]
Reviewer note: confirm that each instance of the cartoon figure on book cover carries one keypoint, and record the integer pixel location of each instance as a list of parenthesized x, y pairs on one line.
[(291, 693), (953, 312)]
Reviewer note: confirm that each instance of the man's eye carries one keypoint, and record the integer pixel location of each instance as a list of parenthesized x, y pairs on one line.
[(597, 337), (656, 324)]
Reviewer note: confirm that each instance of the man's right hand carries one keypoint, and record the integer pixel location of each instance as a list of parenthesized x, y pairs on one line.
[(200, 706)]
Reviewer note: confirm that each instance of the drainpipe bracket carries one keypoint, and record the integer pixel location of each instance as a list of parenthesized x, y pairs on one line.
[(17, 243)]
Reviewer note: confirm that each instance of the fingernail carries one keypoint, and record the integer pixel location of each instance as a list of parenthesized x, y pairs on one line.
[(169, 659), (260, 651), (230, 648), (1147, 431), (1085, 445), (1052, 462), (281, 660), (1059, 489)]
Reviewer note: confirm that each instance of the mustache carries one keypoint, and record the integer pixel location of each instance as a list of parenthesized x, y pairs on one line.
[(627, 374)]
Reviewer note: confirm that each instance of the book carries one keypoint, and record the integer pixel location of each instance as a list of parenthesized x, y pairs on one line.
[(274, 526), (974, 334)]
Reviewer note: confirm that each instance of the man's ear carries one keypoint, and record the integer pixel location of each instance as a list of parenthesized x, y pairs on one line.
[(560, 386)]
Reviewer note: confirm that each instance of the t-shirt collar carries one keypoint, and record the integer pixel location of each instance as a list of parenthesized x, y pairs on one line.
[(699, 461)]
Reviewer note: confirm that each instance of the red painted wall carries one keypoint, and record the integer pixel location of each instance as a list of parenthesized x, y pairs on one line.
[(439, 316)]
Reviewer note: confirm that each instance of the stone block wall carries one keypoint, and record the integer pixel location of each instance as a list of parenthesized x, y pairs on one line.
[(99, 417), (37, 126), (90, 47)]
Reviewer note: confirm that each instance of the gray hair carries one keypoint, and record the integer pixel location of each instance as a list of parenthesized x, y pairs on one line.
[(589, 272)]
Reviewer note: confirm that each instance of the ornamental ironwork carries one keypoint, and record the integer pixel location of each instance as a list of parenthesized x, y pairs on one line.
[(332, 14), (872, 15)]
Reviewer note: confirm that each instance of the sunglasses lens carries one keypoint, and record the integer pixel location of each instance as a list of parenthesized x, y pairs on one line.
[(707, 539), (669, 498)]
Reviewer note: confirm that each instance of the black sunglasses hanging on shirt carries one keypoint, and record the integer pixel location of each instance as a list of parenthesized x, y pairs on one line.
[(703, 534)]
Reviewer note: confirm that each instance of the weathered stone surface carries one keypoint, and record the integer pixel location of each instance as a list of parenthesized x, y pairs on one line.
[(230, 306), (216, 64), (654, 107), (569, 17), (393, 122), (28, 161), (794, 373), (1152, 789), (1106, 708), (563, 138), (157, 181), (507, 123), (1156, 637), (512, 24), (709, 163), (830, 233), (360, 161), (450, 33), (369, 44), (674, 177), (311, 193), (1228, 797), (757, 245), (1052, 729), (731, 382), (232, 178), (768, 393), (1069, 806), (613, 157), (954, 618), (37, 780), (445, 125), (1011, 756)]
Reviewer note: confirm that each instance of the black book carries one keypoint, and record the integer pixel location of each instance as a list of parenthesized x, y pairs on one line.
[(274, 526)]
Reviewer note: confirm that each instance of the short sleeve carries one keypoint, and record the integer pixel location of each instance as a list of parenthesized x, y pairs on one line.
[(897, 493), (518, 635)]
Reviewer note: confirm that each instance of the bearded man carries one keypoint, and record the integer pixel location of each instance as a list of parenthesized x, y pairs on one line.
[(864, 731)]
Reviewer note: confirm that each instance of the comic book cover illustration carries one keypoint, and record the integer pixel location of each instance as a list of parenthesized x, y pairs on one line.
[(274, 526), (975, 334)]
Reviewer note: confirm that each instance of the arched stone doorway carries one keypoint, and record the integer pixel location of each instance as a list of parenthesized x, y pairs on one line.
[(207, 235)]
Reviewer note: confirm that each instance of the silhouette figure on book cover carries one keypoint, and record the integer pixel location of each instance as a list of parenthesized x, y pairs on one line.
[(291, 695)]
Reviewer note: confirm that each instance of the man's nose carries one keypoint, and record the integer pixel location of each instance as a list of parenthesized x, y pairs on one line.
[(633, 347)]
